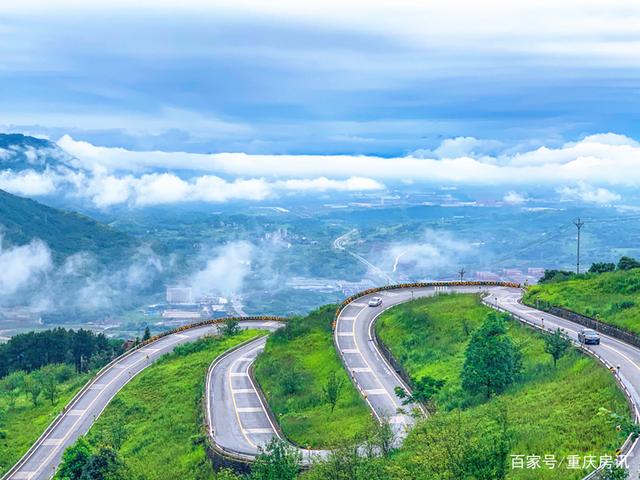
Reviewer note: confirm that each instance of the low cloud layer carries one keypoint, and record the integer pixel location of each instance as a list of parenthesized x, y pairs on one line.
[(514, 198), (105, 190), (224, 270), (23, 266), (29, 182), (428, 257), (589, 194), (603, 158), (78, 284), (588, 170)]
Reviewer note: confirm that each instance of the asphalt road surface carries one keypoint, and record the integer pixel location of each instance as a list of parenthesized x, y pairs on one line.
[(43, 459), (239, 420), (371, 373), (377, 380)]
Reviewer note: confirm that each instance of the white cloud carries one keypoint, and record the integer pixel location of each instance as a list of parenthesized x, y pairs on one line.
[(22, 265), (119, 176), (28, 182), (587, 193), (160, 188), (4, 153), (435, 252), (224, 271), (544, 27), (322, 184), (215, 189), (460, 147), (514, 198), (597, 159), (165, 188), (29, 275), (105, 191)]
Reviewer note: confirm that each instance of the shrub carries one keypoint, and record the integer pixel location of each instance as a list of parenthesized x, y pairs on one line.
[(492, 361), (627, 263), (602, 267)]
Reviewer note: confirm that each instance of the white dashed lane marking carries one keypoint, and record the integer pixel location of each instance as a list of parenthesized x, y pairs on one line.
[(243, 390), (258, 430)]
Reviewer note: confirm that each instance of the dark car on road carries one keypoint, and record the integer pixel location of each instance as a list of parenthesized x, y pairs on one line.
[(589, 337)]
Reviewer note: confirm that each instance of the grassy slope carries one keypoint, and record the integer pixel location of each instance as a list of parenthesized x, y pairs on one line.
[(25, 423), (551, 411), (306, 348), (592, 295), (161, 409)]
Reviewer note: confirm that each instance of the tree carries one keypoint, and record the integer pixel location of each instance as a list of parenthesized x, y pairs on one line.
[(227, 474), (147, 334), (492, 361), (555, 276), (105, 464), (82, 345), (47, 376), (33, 387), (118, 430), (332, 389), (291, 379), (614, 472), (382, 437), (75, 459), (277, 461), (3, 419), (602, 267), (424, 390), (11, 385), (448, 447), (230, 327), (348, 463), (556, 344), (31, 351), (627, 263)]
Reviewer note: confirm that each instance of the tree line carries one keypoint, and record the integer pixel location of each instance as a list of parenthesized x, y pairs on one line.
[(83, 349), (625, 263)]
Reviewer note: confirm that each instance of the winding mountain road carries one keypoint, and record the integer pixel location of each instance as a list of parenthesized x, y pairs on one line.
[(42, 460), (239, 420)]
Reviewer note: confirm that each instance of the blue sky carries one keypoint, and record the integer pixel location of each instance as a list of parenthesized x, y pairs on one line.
[(381, 78)]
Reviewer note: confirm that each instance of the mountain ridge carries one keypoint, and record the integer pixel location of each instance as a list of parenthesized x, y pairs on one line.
[(65, 232), (20, 152)]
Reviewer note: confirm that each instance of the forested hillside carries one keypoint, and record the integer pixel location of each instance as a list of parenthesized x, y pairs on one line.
[(22, 220)]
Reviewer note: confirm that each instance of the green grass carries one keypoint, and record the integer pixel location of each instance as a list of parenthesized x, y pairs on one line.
[(551, 411), (292, 371), (159, 413), (24, 423), (614, 297)]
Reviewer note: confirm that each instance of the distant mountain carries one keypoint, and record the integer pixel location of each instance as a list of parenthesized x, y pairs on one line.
[(22, 220), (21, 152)]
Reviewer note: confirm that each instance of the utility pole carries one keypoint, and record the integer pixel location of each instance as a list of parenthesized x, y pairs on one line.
[(578, 223), (461, 272)]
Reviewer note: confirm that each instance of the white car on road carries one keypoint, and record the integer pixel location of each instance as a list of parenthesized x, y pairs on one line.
[(375, 302)]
